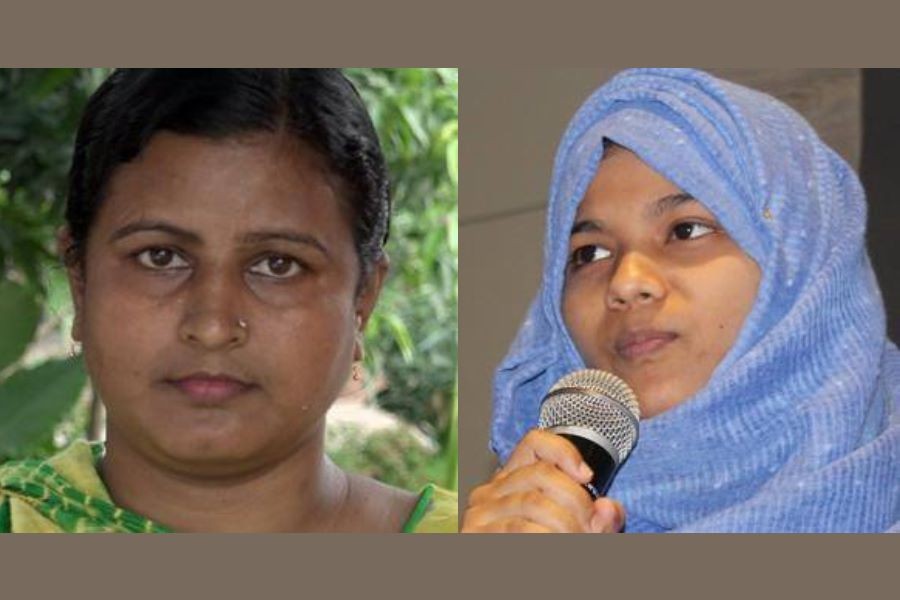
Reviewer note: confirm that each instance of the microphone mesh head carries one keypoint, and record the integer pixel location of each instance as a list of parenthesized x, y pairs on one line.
[(598, 401)]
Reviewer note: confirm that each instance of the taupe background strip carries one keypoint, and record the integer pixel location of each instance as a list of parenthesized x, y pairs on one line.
[(167, 33)]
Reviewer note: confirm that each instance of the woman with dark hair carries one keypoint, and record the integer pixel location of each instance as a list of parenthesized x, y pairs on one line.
[(224, 246), (707, 247)]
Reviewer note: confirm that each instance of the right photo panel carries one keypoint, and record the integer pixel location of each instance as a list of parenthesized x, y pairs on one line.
[(678, 300)]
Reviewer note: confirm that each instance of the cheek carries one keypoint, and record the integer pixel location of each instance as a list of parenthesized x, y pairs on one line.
[(572, 314), (121, 322), (584, 309), (725, 296), (309, 346)]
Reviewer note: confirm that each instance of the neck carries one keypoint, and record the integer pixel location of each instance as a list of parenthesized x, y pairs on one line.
[(304, 491)]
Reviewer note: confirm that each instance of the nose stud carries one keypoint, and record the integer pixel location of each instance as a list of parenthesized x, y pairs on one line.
[(242, 324)]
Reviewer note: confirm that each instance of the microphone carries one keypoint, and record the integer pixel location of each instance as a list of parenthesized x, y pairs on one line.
[(599, 414)]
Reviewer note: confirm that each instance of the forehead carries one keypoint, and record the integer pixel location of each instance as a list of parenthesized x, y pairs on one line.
[(624, 181), (212, 183)]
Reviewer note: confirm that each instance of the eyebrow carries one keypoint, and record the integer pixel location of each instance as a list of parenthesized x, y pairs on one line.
[(667, 203), (161, 226), (654, 211), (287, 235), (253, 237)]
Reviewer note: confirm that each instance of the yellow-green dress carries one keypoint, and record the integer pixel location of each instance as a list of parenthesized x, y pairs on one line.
[(64, 494)]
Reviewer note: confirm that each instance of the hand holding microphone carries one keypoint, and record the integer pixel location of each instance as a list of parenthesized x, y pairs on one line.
[(555, 478)]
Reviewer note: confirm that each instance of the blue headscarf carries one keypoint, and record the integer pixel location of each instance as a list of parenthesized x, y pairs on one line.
[(797, 428)]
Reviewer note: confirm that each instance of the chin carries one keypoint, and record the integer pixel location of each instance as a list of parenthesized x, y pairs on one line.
[(658, 397), (203, 449), (213, 447), (652, 383)]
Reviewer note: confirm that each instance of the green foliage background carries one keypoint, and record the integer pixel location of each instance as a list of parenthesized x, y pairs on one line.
[(411, 339)]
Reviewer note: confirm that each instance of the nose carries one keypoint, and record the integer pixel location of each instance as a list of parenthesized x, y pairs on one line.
[(635, 282), (210, 320)]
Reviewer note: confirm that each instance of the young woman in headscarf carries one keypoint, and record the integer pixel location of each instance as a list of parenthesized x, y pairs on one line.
[(707, 247)]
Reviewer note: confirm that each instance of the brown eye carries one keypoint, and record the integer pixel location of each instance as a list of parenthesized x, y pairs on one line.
[(160, 259), (588, 254), (691, 230), (277, 266)]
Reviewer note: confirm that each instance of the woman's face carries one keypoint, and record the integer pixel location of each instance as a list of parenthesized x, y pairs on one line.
[(656, 291), (218, 309)]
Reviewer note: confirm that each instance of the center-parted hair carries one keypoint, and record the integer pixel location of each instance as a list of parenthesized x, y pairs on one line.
[(318, 107)]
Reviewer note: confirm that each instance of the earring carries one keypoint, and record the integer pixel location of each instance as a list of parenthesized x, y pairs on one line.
[(359, 352), (74, 349), (359, 349)]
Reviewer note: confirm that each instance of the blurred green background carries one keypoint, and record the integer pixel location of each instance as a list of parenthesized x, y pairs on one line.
[(411, 340)]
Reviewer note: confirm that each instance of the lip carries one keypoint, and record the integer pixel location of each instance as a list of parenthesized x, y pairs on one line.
[(636, 344), (210, 386)]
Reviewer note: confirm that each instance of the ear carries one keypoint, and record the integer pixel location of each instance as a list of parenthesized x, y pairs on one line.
[(75, 275), (366, 299)]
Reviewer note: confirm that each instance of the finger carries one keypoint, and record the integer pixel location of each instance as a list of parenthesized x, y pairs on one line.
[(608, 517), (514, 525), (531, 505), (543, 445), (511, 508), (521, 526), (527, 527), (549, 481)]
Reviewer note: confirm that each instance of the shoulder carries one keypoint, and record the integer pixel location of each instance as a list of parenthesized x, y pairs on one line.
[(23, 495), (52, 494), (15, 474), (377, 506), (381, 507)]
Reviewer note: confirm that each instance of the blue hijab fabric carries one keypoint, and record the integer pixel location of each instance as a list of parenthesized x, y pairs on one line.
[(797, 430)]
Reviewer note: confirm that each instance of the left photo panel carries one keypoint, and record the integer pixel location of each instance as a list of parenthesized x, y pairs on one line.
[(228, 300)]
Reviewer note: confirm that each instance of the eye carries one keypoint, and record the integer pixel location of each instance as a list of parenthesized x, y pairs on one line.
[(161, 259), (588, 254), (691, 230), (277, 266)]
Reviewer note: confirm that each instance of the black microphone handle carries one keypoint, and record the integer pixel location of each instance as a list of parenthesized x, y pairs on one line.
[(599, 460)]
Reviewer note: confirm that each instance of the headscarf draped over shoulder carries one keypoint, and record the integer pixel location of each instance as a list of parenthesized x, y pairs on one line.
[(796, 430)]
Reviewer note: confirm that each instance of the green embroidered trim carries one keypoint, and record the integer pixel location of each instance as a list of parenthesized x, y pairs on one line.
[(420, 509), (38, 484), (5, 518), (50, 494)]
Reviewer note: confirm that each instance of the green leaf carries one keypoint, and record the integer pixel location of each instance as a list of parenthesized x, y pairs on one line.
[(453, 161), (50, 80), (33, 401), (19, 316), (413, 118), (451, 448), (401, 336)]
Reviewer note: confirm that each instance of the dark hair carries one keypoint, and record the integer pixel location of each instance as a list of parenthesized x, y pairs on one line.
[(319, 107), (610, 147)]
